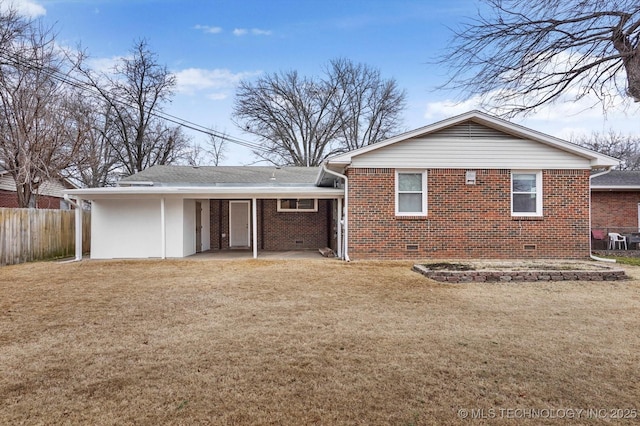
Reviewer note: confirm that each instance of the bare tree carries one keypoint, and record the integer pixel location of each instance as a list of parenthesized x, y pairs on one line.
[(95, 164), (292, 115), (135, 93), (302, 120), (522, 54), (615, 144), (211, 154), (216, 148), (36, 140), (371, 106)]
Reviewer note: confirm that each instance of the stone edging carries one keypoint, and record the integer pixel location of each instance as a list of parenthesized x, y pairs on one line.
[(520, 276)]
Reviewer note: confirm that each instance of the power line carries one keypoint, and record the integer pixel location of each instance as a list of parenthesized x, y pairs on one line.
[(16, 60)]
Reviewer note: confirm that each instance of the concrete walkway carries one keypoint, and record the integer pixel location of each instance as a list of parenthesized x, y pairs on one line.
[(248, 254)]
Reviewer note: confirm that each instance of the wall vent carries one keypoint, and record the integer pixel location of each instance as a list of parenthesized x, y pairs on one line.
[(299, 241), (470, 177), (412, 247), (529, 246)]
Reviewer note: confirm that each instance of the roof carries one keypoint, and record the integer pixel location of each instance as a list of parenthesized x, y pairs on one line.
[(227, 182), (616, 179), (596, 159), (222, 176)]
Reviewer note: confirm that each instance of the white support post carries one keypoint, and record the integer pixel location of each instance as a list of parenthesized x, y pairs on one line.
[(163, 230), (339, 236), (254, 227), (78, 218)]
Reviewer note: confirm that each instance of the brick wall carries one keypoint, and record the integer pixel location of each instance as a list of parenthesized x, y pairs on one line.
[(468, 221), (615, 211), (276, 230), (9, 199)]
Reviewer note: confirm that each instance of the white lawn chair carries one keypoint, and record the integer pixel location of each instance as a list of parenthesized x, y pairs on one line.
[(615, 238)]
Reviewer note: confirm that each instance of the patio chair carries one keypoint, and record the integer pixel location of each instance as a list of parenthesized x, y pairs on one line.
[(600, 237), (615, 238)]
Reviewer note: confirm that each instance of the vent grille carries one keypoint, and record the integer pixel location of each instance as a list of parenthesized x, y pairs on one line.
[(471, 130), (529, 246), (412, 247)]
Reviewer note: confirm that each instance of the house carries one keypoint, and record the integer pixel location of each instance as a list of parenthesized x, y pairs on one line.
[(615, 201), (471, 186), (50, 194)]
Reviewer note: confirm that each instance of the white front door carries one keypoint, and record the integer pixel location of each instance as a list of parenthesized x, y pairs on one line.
[(239, 224)]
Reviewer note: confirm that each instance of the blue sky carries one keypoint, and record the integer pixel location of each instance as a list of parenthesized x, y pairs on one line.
[(211, 45)]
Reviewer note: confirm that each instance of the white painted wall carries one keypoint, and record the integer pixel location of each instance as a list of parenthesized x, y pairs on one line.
[(132, 228), (125, 229)]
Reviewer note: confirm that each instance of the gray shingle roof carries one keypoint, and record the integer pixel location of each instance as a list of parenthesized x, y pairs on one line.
[(617, 178), (225, 176)]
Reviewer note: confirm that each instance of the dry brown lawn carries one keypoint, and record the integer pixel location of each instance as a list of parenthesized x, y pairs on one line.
[(309, 342)]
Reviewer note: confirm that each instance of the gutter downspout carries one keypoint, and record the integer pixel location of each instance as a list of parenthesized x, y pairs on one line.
[(345, 248), (78, 225), (591, 255)]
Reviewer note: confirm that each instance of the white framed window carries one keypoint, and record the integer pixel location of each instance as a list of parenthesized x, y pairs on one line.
[(526, 193), (297, 204), (411, 193)]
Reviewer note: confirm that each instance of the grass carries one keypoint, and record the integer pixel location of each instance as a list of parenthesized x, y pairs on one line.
[(634, 261), (305, 342)]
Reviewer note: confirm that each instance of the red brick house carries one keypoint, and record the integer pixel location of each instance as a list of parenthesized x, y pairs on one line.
[(49, 196), (615, 202), (472, 186)]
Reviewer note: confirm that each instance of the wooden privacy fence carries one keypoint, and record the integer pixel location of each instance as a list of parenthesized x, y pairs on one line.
[(35, 234)]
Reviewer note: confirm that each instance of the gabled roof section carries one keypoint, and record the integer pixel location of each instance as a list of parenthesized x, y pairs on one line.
[(222, 176), (622, 180), (493, 127)]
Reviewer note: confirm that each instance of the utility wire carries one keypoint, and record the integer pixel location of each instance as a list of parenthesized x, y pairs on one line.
[(18, 61)]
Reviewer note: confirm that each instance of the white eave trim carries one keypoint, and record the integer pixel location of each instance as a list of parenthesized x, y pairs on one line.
[(596, 159), (615, 188), (207, 192)]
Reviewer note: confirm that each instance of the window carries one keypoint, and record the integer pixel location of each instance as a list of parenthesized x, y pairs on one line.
[(297, 205), (411, 193), (526, 193)]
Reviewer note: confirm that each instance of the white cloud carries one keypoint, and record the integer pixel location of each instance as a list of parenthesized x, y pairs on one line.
[(257, 31), (564, 119), (27, 8), (104, 65), (193, 80), (217, 96), (208, 29), (254, 31)]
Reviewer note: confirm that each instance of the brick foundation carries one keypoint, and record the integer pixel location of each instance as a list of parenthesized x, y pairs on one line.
[(468, 221)]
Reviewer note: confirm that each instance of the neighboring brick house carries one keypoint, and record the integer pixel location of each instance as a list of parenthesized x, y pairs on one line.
[(49, 196), (472, 186), (615, 201)]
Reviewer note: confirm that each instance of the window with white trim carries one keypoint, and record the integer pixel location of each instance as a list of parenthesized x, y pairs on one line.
[(297, 205), (411, 193), (526, 193)]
